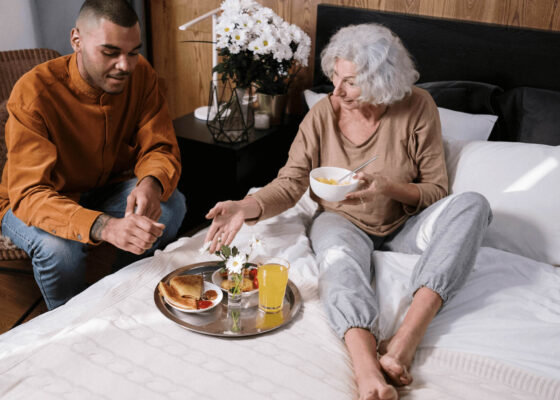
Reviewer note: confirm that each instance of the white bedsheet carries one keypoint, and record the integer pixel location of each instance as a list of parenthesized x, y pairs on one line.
[(499, 338)]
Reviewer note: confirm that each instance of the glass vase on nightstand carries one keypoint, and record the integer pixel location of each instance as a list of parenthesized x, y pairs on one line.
[(230, 112), (274, 106)]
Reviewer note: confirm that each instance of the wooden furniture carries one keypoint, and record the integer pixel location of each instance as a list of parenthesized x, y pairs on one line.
[(20, 297), (13, 64), (215, 171)]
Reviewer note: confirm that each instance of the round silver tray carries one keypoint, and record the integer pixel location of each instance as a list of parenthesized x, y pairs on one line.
[(229, 322)]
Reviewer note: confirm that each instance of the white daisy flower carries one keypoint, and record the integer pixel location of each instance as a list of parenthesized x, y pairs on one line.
[(235, 264), (231, 6), (234, 48), (224, 27), (282, 53), (255, 46), (246, 22), (256, 243), (238, 37)]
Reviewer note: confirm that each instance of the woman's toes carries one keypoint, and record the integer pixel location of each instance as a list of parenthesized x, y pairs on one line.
[(396, 371)]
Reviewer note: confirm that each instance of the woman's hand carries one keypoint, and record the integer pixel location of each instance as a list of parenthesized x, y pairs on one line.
[(228, 218), (376, 184), (371, 185)]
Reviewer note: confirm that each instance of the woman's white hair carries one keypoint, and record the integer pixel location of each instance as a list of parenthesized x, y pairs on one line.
[(384, 69)]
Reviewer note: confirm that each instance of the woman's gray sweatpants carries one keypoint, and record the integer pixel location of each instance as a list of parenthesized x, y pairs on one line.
[(447, 234)]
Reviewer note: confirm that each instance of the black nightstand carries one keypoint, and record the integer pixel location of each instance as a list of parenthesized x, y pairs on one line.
[(215, 171)]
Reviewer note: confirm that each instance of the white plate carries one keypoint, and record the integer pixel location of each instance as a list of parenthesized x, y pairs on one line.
[(217, 280), (215, 302)]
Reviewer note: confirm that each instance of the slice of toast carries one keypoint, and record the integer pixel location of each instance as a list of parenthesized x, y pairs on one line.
[(188, 285), (172, 296)]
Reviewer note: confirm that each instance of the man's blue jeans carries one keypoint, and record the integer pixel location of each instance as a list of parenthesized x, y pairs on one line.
[(59, 264)]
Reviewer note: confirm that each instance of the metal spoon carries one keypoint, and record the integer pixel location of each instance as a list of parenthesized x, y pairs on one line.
[(356, 170)]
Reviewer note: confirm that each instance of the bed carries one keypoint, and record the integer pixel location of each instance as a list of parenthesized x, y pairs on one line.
[(499, 338)]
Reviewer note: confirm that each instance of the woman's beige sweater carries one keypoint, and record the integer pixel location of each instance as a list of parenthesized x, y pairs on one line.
[(410, 149)]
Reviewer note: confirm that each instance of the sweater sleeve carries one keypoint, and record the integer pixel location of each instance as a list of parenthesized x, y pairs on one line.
[(293, 178), (29, 171), (425, 145), (158, 154)]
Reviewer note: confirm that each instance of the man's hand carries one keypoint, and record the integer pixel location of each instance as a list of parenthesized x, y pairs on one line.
[(134, 233), (145, 199)]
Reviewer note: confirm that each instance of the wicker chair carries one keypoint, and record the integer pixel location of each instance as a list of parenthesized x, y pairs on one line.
[(13, 64), (14, 261)]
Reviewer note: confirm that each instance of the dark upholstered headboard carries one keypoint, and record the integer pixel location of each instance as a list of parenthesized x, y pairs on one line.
[(446, 50), (509, 69)]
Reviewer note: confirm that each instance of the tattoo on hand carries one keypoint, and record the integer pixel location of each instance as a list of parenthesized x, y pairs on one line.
[(98, 226)]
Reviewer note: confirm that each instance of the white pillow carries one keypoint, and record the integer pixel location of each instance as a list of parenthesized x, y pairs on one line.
[(522, 183), (456, 125), (311, 97)]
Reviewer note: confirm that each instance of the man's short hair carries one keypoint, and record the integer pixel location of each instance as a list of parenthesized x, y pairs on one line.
[(119, 12)]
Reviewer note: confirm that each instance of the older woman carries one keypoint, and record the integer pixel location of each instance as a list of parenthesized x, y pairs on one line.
[(400, 206)]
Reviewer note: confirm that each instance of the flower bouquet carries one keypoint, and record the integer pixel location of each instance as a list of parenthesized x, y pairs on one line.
[(232, 264), (258, 47)]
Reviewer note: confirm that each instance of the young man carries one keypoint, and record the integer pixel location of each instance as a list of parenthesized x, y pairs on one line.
[(92, 155)]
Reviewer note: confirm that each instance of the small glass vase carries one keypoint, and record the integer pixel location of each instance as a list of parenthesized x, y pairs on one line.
[(235, 293), (234, 317)]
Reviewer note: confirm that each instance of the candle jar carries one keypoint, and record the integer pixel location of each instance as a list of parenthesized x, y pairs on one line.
[(262, 120)]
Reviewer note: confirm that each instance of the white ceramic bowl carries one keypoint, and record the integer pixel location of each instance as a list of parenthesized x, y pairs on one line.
[(331, 192)]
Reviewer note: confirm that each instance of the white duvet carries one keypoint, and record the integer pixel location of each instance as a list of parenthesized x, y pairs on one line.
[(499, 338)]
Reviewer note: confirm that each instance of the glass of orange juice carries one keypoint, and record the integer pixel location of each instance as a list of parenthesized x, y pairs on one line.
[(273, 278), (267, 320)]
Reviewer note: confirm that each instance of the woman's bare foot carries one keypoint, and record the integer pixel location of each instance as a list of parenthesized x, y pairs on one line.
[(372, 386), (396, 357), (398, 352)]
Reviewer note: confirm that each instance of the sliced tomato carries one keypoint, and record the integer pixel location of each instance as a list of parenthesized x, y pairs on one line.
[(255, 283), (253, 273)]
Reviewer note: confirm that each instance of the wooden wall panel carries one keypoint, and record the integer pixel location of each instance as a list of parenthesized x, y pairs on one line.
[(185, 67), (182, 63)]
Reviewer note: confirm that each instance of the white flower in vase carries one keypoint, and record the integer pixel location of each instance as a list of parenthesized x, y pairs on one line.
[(235, 264), (256, 243), (237, 41), (263, 44), (257, 47), (224, 28)]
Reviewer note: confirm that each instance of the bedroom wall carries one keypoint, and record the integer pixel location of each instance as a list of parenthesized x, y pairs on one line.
[(26, 24), (185, 67), (16, 25)]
